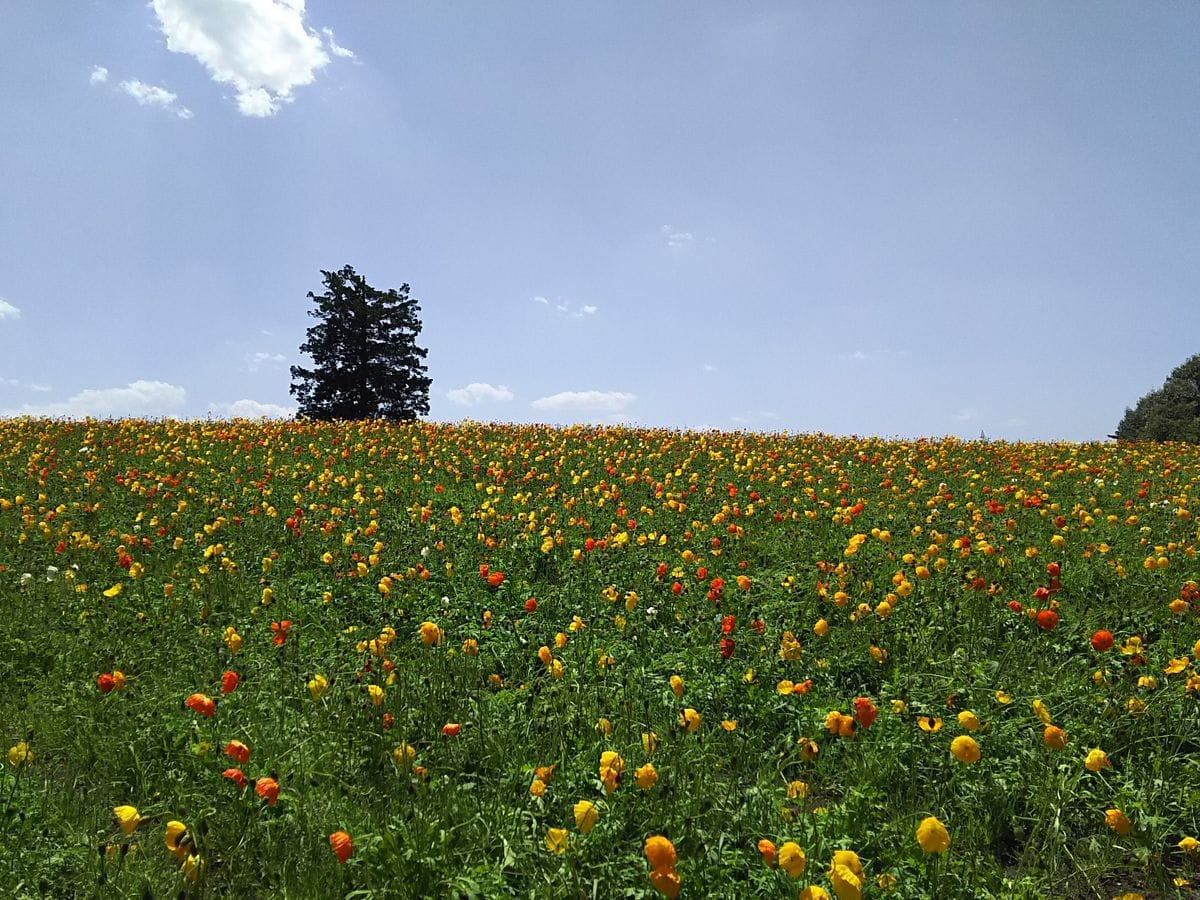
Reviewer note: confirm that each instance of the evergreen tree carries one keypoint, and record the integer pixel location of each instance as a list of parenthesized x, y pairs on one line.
[(366, 362), (1172, 413)]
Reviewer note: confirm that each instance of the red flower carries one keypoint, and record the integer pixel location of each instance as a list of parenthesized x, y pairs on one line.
[(451, 729), (589, 545), (1047, 619), (677, 589), (342, 844), (202, 704), (728, 645), (268, 789), (1054, 569), (239, 751), (229, 681), (237, 776), (281, 630), (1015, 605), (531, 605), (106, 683), (495, 579), (728, 624), (1102, 640), (865, 712)]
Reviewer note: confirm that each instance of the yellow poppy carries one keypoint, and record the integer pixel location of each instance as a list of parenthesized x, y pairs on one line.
[(933, 836)]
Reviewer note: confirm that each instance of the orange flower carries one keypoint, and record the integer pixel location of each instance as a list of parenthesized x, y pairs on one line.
[(865, 712), (342, 844), (268, 789), (769, 852), (281, 630), (451, 729), (239, 751), (229, 681), (661, 852), (237, 776), (202, 704)]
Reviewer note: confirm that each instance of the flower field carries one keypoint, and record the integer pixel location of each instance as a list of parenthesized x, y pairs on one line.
[(289, 659)]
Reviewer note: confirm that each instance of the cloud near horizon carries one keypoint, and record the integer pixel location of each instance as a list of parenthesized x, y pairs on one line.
[(137, 399), (479, 392), (250, 409), (585, 401)]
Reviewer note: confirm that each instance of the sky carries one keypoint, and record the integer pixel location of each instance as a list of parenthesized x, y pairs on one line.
[(905, 220)]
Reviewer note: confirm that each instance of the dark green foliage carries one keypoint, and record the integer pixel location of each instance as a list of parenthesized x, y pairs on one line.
[(366, 362), (1172, 413)]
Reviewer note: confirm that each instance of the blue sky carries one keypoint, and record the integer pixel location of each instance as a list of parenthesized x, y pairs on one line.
[(893, 219)]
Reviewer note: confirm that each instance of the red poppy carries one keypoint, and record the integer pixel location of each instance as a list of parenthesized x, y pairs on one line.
[(268, 789), (239, 751), (342, 844), (281, 630), (728, 624), (1047, 619), (865, 712), (531, 605), (495, 579), (677, 589), (1054, 569), (589, 545), (230, 681), (451, 729), (728, 645), (237, 776), (1102, 640), (202, 704), (1015, 605), (106, 683)]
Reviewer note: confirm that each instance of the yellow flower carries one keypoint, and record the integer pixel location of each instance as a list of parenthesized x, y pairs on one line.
[(1118, 821), (965, 749), (899, 707), (1055, 737), (677, 685), (821, 628), (537, 788), (1096, 760), (192, 866), (405, 754), (1043, 711), (814, 892), (317, 686), (586, 815), (604, 726), (556, 840), (376, 693), (1003, 698), (797, 790), (128, 818), (1175, 666), (846, 874), (178, 840), (431, 634), (647, 776), (793, 859), (930, 723), (20, 754), (933, 836), (115, 590), (649, 741), (690, 719), (969, 721), (729, 724), (1189, 845)]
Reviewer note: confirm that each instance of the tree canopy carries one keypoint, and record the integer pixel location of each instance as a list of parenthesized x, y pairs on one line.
[(366, 362), (1172, 413)]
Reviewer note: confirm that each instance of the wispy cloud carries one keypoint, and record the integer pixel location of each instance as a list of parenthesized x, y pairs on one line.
[(263, 360), (334, 47), (99, 75), (138, 398), (153, 95), (856, 356), (8, 311), (479, 392), (262, 48), (676, 238)]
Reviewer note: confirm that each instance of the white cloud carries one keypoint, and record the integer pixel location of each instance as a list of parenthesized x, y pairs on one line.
[(153, 95), (334, 47), (99, 75), (541, 299), (479, 392), (675, 238), (709, 367), (260, 47), (8, 311), (585, 401), (262, 359), (587, 310), (27, 385), (250, 409), (857, 356), (139, 398)]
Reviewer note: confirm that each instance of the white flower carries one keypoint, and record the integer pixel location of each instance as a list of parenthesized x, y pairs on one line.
[(51, 573), (651, 612), (26, 578)]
